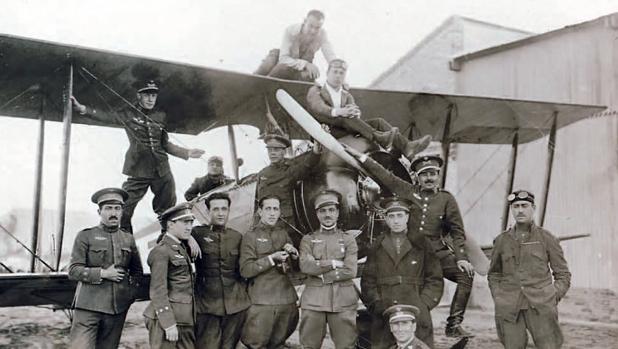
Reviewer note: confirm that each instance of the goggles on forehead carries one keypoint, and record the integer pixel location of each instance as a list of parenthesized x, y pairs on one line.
[(522, 195)]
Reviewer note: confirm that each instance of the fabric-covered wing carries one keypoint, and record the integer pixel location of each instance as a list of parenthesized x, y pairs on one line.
[(196, 97)]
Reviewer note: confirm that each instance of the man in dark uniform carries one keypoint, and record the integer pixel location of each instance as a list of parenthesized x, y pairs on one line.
[(334, 106), (528, 276), (328, 257), (401, 268), (170, 316), (281, 175), (402, 320), (213, 179), (107, 265), (220, 291), (265, 251), (146, 163), (436, 215)]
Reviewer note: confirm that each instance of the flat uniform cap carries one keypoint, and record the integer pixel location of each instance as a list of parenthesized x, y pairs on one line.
[(338, 63), (520, 195), (276, 141), (426, 162), (215, 158), (148, 86), (325, 198), (395, 203), (401, 312), (178, 212), (114, 195)]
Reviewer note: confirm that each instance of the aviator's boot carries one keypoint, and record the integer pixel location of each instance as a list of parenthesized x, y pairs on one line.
[(385, 139), (458, 308), (417, 146)]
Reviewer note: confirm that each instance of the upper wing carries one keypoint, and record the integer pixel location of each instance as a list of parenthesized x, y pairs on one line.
[(196, 97)]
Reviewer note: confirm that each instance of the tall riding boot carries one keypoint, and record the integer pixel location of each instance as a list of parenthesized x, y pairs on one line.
[(385, 139), (416, 146), (458, 308)]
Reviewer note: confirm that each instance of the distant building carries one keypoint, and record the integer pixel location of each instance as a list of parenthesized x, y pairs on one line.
[(575, 64)]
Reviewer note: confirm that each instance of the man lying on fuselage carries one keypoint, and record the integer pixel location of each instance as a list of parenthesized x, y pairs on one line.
[(331, 104)]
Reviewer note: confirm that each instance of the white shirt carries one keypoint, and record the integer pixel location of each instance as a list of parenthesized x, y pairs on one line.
[(335, 95)]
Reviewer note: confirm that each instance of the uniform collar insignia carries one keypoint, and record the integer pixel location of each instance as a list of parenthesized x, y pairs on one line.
[(207, 239)]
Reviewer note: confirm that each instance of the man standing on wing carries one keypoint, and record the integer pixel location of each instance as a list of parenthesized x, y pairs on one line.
[(213, 179), (146, 163)]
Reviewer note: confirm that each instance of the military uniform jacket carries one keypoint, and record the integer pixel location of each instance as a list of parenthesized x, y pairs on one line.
[(328, 289), (279, 179), (413, 276), (171, 285), (267, 285), (98, 248), (148, 141), (436, 214), (219, 288), (520, 272), (205, 184)]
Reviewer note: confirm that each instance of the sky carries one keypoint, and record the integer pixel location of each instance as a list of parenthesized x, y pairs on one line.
[(229, 34)]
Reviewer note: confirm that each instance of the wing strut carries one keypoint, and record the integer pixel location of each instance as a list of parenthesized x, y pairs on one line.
[(551, 148), (36, 210), (511, 178), (446, 143), (64, 168), (232, 141)]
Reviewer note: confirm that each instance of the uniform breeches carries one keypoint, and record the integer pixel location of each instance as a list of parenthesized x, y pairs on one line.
[(381, 337), (156, 336), (164, 191), (459, 303), (92, 329), (544, 328), (219, 332), (269, 326), (342, 327)]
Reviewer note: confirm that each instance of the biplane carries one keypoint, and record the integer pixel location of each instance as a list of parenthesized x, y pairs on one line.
[(37, 77)]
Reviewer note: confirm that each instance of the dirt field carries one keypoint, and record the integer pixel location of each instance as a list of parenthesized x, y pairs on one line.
[(589, 320)]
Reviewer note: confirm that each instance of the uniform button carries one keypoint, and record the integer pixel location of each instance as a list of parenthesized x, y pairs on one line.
[(426, 199), (423, 216), (425, 205), (422, 222), (421, 228), (425, 210)]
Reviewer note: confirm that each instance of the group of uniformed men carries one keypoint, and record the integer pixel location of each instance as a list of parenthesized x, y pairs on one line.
[(240, 290)]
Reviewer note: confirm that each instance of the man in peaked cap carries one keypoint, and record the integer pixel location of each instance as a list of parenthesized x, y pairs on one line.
[(106, 264), (328, 257), (213, 179), (281, 175), (146, 163), (334, 106), (528, 276), (402, 321), (401, 268), (435, 215), (170, 316)]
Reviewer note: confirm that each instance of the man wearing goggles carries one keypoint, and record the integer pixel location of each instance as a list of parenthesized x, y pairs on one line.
[(528, 276)]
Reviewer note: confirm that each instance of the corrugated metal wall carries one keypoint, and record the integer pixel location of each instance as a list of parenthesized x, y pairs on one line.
[(577, 65)]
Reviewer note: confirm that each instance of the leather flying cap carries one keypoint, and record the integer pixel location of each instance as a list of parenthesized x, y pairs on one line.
[(338, 63), (147, 86), (426, 162), (215, 158), (105, 195), (273, 140), (325, 198), (520, 195), (394, 203), (178, 212), (401, 312)]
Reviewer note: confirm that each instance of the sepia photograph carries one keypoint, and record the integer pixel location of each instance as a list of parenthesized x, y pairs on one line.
[(402, 174)]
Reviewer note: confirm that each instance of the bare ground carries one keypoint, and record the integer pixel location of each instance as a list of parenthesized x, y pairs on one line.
[(589, 320)]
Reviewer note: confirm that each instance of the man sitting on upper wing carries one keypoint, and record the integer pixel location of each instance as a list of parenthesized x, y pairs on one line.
[(146, 163), (334, 106), (213, 179), (294, 60), (436, 215)]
